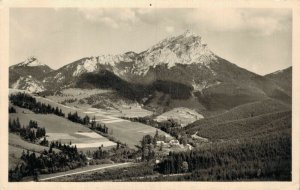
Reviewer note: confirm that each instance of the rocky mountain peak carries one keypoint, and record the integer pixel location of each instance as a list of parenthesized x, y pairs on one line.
[(189, 33), (31, 62), (186, 48)]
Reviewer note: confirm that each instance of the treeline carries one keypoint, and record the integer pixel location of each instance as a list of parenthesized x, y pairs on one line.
[(26, 101), (120, 153), (77, 119), (99, 127), (74, 117), (170, 126), (263, 158), (71, 100), (69, 150), (47, 162), (31, 132)]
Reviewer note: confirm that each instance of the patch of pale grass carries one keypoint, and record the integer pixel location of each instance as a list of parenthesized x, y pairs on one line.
[(89, 134), (59, 136), (94, 144)]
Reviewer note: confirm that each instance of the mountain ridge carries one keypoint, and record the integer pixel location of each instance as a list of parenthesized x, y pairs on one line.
[(174, 64)]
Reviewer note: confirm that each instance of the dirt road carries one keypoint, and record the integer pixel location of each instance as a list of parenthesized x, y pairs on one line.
[(85, 171)]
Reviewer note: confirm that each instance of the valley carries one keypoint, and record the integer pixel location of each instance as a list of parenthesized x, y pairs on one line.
[(175, 111)]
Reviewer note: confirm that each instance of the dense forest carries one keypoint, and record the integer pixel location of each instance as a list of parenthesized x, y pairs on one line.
[(77, 119), (107, 79), (257, 158), (47, 162), (26, 101)]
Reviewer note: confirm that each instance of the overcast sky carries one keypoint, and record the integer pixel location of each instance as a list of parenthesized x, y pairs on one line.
[(259, 40)]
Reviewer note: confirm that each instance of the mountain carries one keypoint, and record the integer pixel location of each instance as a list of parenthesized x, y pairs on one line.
[(28, 75), (282, 78), (179, 71)]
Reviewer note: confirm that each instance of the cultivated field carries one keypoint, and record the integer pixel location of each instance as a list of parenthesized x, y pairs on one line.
[(105, 100), (123, 130), (132, 132), (72, 93), (61, 129)]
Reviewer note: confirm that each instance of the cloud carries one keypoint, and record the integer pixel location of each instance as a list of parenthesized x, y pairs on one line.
[(260, 22), (111, 17), (254, 21), (110, 22)]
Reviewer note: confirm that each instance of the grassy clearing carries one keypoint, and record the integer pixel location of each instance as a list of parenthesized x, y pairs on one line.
[(181, 115), (132, 132), (61, 129), (51, 122), (78, 93), (134, 111)]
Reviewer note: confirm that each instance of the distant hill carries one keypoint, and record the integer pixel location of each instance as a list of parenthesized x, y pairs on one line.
[(265, 124), (240, 116)]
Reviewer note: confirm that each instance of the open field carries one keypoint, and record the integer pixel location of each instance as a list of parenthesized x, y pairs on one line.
[(105, 100), (132, 132), (181, 115), (123, 130), (52, 123), (61, 129), (134, 111)]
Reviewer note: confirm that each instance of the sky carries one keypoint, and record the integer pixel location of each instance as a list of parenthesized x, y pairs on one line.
[(259, 40)]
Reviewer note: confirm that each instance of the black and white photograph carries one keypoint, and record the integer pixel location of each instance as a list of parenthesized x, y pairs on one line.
[(104, 94)]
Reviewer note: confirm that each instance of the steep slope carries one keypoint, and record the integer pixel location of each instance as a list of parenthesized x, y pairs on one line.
[(282, 78), (246, 111), (265, 124), (28, 75), (108, 80), (29, 84)]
